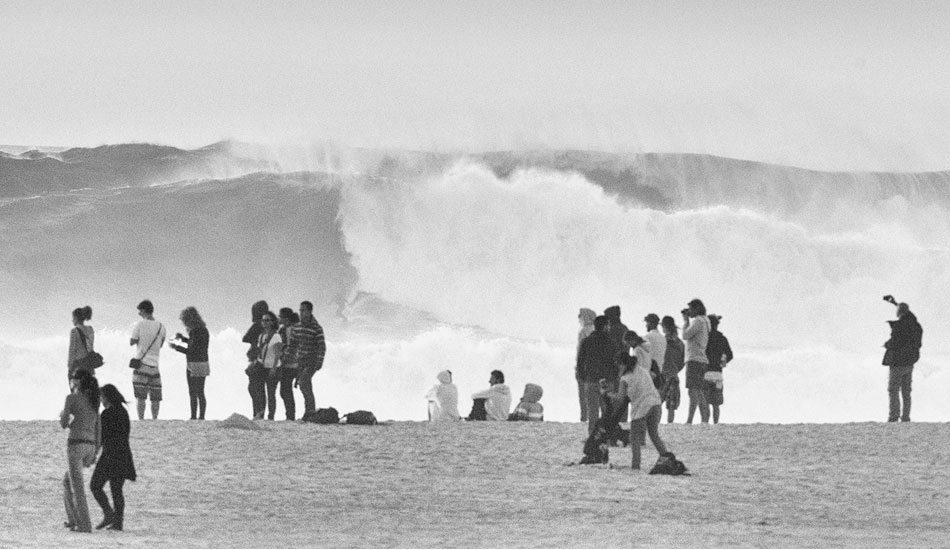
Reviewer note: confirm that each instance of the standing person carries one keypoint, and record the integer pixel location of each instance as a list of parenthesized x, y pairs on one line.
[(615, 326), (595, 362), (81, 339), (673, 363), (196, 357), (443, 399), (586, 319), (253, 334), (309, 347), (696, 336), (148, 335), (287, 372), (270, 346), (657, 343), (903, 350), (645, 411), (81, 415), (115, 464), (718, 353), (497, 397)]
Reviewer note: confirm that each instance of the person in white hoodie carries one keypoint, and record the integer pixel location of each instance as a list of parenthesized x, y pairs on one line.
[(443, 399), (497, 397)]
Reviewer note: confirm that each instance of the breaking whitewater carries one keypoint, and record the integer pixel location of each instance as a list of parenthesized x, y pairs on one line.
[(421, 261)]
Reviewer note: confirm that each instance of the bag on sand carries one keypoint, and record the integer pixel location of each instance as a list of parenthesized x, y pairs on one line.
[(364, 418), (323, 416), (667, 464)]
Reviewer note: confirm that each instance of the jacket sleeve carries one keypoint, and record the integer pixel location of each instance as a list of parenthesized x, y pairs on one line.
[(74, 346), (484, 394), (66, 412), (691, 330), (726, 349)]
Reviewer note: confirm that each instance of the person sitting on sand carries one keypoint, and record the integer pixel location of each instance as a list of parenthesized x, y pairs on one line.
[(529, 409), (496, 400), (443, 399), (645, 411)]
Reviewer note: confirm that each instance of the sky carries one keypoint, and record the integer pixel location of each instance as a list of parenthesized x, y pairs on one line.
[(822, 85)]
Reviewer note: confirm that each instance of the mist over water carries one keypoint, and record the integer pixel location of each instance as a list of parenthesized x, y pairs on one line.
[(483, 263)]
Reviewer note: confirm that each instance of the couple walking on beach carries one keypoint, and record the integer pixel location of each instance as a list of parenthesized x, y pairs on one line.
[(284, 351)]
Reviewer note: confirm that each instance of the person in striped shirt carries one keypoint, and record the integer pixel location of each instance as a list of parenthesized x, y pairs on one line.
[(308, 345)]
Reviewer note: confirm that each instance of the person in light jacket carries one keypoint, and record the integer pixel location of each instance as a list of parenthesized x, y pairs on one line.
[(443, 399), (529, 409), (497, 397)]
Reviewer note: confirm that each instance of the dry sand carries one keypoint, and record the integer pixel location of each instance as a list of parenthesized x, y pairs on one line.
[(410, 484)]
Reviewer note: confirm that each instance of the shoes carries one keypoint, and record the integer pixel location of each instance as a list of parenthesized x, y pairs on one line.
[(69, 525), (116, 524), (107, 520)]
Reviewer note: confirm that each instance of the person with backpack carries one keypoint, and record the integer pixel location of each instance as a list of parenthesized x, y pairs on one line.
[(81, 340), (645, 411), (197, 368), (902, 351)]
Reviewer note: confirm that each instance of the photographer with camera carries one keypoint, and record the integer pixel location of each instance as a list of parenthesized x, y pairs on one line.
[(696, 335), (902, 351)]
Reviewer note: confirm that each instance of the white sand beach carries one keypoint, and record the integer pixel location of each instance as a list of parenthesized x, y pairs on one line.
[(412, 484)]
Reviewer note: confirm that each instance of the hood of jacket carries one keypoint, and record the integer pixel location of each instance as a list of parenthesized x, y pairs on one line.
[(502, 389), (532, 393), (612, 312), (444, 377), (258, 310), (587, 316)]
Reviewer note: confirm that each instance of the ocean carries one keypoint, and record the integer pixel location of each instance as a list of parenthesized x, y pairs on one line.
[(420, 261)]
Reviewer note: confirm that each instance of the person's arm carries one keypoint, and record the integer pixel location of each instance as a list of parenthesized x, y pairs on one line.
[(690, 329), (321, 348), (727, 350), (66, 413), (74, 345), (579, 371), (135, 335), (484, 394)]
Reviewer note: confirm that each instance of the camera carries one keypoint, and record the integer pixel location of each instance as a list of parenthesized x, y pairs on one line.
[(889, 298), (685, 311)]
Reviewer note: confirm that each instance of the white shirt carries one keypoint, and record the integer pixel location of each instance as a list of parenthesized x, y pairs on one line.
[(643, 395), (145, 332), (657, 347)]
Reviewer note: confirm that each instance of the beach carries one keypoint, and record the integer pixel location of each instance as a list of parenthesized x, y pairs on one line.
[(414, 484)]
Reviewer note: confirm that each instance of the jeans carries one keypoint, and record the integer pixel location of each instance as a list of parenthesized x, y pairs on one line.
[(592, 394), (649, 424), (196, 392), (898, 386), (305, 381), (582, 398), (257, 387), (115, 485), (74, 492), (271, 385), (286, 377)]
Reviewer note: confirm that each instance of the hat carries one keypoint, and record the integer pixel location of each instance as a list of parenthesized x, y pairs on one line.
[(652, 318), (669, 322), (714, 316), (612, 312)]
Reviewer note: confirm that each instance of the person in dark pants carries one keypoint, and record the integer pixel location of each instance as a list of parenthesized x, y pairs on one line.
[(719, 354), (81, 415), (115, 463), (903, 350), (255, 384), (287, 372), (308, 345), (271, 347), (196, 357), (595, 361)]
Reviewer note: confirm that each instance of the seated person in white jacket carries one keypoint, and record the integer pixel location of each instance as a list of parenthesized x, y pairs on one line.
[(443, 399), (497, 399)]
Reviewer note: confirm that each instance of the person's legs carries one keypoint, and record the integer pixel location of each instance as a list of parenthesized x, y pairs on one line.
[(694, 400), (257, 387), (287, 392), (592, 392), (893, 388), (637, 429), (271, 383), (96, 484), (582, 399), (118, 498), (653, 428), (79, 454), (200, 393), (906, 380), (305, 381), (670, 415), (68, 497), (140, 408), (715, 414), (192, 394)]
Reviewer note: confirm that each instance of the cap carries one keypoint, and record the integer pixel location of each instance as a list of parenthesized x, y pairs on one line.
[(652, 318)]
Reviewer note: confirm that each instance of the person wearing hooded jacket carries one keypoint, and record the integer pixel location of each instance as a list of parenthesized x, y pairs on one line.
[(615, 327), (529, 409), (595, 362), (903, 350), (443, 399), (586, 319), (497, 397)]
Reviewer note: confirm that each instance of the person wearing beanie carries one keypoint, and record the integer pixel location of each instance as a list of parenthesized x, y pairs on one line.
[(586, 319), (719, 353), (529, 409), (443, 399)]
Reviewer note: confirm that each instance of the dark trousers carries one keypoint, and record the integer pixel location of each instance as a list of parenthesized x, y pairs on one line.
[(271, 385), (257, 387), (649, 424), (196, 392), (98, 481), (305, 381), (582, 399), (898, 387), (286, 378)]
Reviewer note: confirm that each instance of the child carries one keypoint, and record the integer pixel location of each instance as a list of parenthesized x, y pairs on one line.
[(529, 408), (637, 385), (596, 448)]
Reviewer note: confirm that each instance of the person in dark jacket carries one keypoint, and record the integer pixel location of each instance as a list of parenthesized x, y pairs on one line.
[(196, 357), (256, 377), (719, 353), (288, 364), (615, 327), (903, 350), (115, 464), (595, 361)]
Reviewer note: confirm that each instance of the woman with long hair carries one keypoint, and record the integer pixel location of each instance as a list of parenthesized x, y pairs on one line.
[(81, 338), (196, 356), (115, 464), (269, 347), (288, 364), (81, 415)]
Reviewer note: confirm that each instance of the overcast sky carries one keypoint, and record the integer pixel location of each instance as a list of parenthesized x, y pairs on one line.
[(828, 85)]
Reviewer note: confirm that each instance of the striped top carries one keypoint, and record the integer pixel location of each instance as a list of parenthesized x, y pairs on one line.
[(307, 343)]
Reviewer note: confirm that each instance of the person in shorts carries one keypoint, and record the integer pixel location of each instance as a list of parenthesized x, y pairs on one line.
[(148, 336)]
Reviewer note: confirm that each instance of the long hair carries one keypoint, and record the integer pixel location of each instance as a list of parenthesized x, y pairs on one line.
[(191, 318), (82, 314), (88, 386), (112, 394)]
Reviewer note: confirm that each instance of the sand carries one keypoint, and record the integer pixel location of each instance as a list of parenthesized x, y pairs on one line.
[(412, 484)]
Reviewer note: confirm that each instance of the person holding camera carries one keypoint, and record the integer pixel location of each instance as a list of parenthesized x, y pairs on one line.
[(902, 351), (696, 336)]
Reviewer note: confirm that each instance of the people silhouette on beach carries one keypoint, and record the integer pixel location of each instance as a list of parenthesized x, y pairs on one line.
[(902, 352), (696, 336), (595, 362), (82, 340), (308, 347), (256, 376), (287, 371), (197, 366), (80, 415), (718, 354), (496, 399), (673, 363), (586, 320), (148, 336), (115, 464), (443, 399)]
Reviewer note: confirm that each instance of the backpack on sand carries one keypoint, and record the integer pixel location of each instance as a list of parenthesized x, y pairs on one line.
[(323, 416), (667, 464), (364, 418)]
